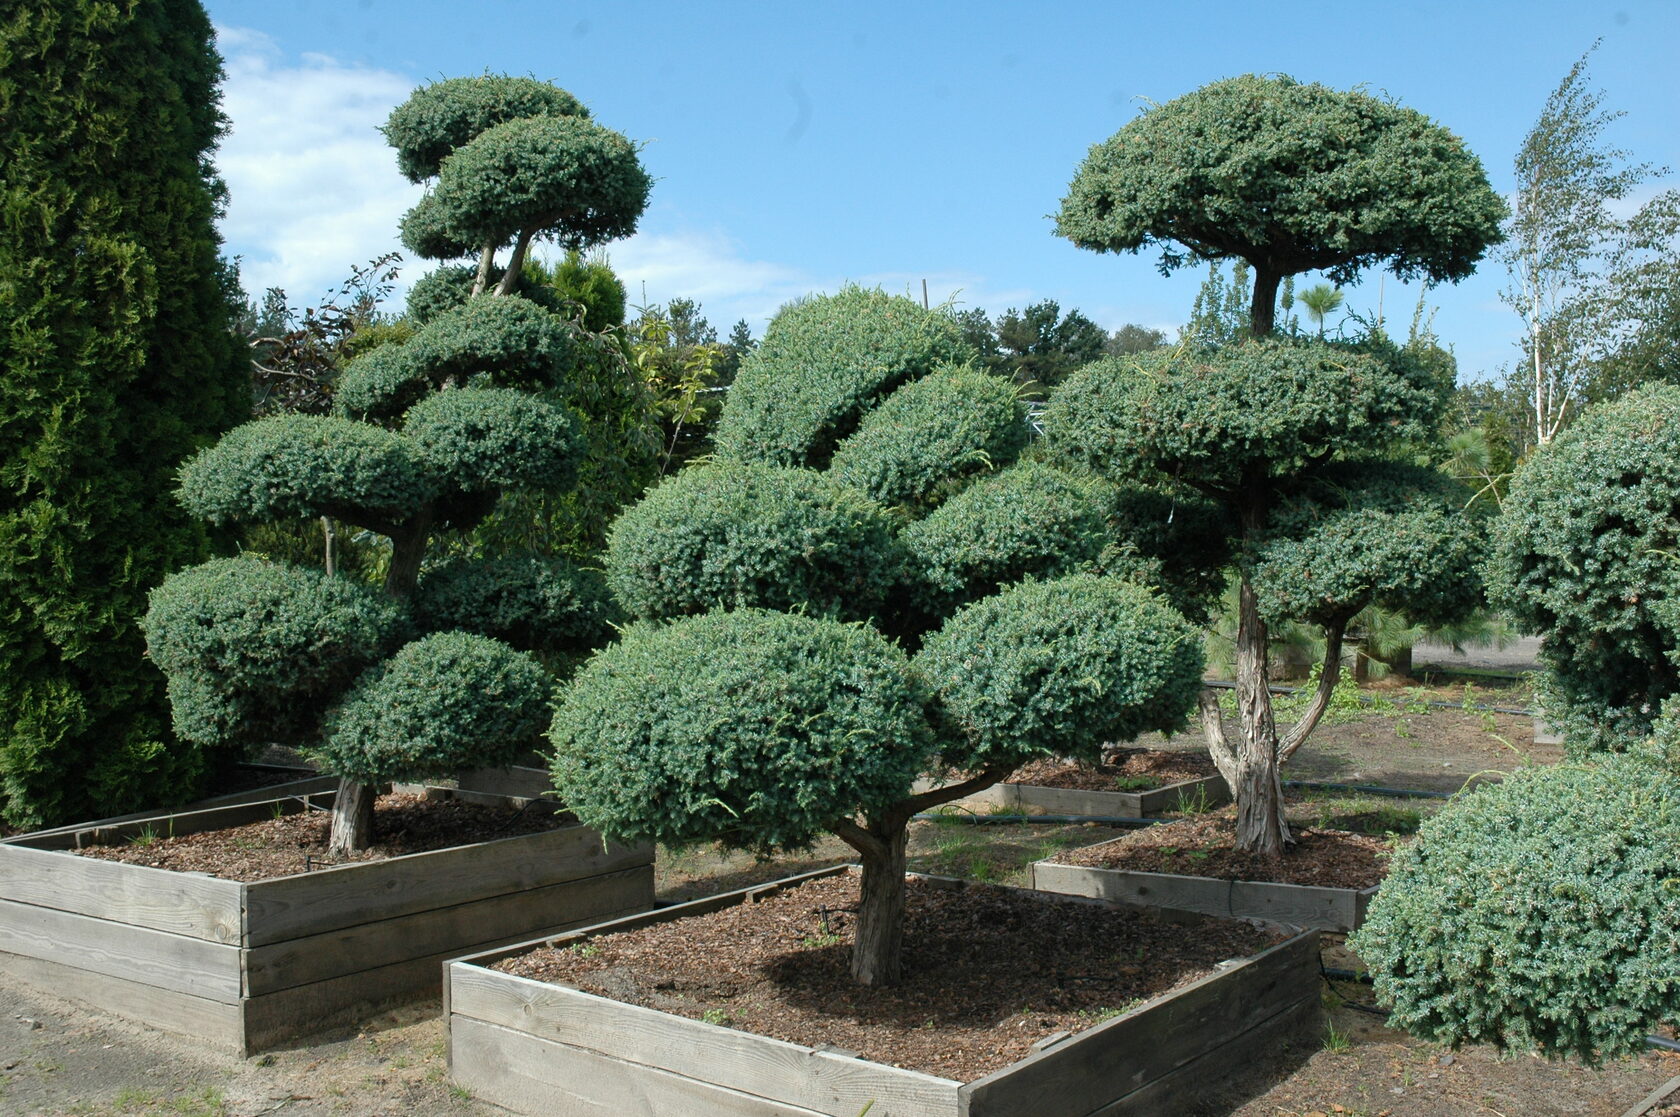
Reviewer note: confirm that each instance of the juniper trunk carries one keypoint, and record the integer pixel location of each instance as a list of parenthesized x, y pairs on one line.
[(878, 949), (1257, 788)]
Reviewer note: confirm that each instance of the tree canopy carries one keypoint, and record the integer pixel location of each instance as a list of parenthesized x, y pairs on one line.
[(1290, 177)]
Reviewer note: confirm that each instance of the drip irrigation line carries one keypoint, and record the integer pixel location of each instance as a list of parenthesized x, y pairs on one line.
[(1369, 789), (1049, 819), (1373, 699)]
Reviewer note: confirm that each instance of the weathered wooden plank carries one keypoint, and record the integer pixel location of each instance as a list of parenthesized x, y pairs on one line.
[(1123, 1055), (1328, 909), (530, 1075), (330, 899), (785, 1072), (1027, 798), (180, 903), (307, 783), (165, 823), (660, 915), (214, 1023), (304, 1009), (517, 782), (186, 965), (448, 930), (1644, 1105)]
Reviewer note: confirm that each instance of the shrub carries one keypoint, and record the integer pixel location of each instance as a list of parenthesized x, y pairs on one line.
[(546, 605), (474, 439), (253, 650), (305, 465), (753, 536), (438, 118), (1539, 913), (1017, 673), (1585, 551), (931, 435), (756, 728), (443, 703), (1030, 520), (822, 363)]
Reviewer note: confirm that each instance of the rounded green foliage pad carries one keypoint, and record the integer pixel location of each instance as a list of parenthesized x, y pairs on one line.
[(754, 727)]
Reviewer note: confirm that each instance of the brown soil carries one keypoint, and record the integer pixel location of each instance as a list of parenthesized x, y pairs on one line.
[(1204, 846), (1128, 770), (279, 847), (989, 971)]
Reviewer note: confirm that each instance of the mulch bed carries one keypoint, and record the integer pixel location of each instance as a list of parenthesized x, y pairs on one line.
[(297, 843), (1129, 770), (1203, 846), (988, 971)]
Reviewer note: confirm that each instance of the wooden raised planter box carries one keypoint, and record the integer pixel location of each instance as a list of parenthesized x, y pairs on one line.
[(244, 966), (1209, 791), (1325, 909), (539, 1048)]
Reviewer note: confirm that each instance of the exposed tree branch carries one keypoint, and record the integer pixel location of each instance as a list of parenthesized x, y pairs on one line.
[(1327, 676)]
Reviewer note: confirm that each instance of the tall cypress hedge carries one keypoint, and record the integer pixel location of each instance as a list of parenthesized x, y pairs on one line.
[(116, 362)]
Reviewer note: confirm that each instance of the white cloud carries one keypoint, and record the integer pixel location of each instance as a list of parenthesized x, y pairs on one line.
[(313, 188)]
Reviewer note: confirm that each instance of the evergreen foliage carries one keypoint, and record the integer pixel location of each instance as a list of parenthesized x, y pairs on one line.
[(734, 537), (755, 714), (1537, 913), (445, 702), (430, 433), (120, 360), (249, 646), (1033, 520), (1584, 555), (822, 363), (1059, 668), (931, 433), (1291, 178), (548, 605), (753, 727)]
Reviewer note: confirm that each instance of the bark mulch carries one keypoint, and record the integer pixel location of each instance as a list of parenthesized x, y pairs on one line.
[(1204, 846), (988, 971), (402, 823), (1122, 770)]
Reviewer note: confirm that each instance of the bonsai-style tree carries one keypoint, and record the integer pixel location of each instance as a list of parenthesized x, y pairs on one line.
[(419, 679), (1290, 178), (1286, 438), (804, 652)]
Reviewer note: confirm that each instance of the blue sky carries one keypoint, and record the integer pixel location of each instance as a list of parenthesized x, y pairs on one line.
[(799, 146)]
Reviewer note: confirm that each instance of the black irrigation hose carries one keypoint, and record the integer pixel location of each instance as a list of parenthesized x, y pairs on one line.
[(1373, 699)]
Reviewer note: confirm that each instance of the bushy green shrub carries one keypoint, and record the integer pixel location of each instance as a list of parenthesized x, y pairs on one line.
[(255, 650), (512, 342), (559, 173), (473, 439), (1179, 542), (753, 727), (379, 386), (305, 465), (449, 287), (753, 535), (1585, 549), (1540, 913), (438, 118), (1375, 533), (1017, 673), (1194, 415), (547, 605), (442, 703), (1030, 520), (931, 435), (823, 361)]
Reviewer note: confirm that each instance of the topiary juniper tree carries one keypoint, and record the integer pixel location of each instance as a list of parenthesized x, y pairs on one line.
[(803, 651), (419, 680), (1290, 178), (1287, 177), (1286, 438)]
